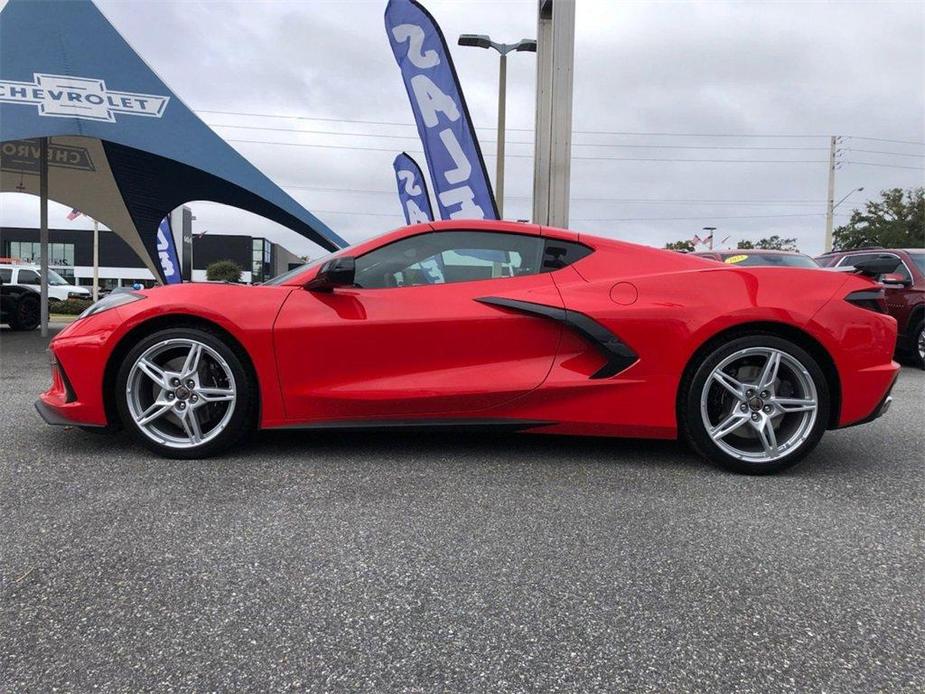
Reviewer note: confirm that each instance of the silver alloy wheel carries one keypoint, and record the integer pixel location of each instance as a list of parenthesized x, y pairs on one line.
[(181, 393), (921, 343), (759, 404)]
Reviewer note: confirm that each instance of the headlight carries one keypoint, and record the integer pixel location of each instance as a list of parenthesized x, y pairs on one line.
[(111, 301)]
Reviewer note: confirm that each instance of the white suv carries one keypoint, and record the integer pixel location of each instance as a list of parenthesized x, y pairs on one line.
[(28, 276)]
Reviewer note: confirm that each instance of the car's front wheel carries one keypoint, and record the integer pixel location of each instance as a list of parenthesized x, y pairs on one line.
[(185, 393), (26, 314), (756, 404)]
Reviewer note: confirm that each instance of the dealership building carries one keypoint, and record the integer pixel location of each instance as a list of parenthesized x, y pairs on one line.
[(70, 254)]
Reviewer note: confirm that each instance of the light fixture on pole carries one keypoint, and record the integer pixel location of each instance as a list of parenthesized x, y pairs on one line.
[(483, 41), (856, 190)]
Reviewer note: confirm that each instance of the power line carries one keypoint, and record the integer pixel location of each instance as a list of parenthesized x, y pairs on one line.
[(877, 151), (882, 139), (888, 166), (589, 158), (405, 124), (640, 201), (519, 142), (710, 217), (397, 215), (530, 156)]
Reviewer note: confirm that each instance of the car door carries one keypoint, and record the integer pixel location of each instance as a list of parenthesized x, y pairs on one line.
[(412, 339)]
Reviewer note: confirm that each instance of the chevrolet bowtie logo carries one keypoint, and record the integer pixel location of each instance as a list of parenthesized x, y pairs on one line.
[(80, 97)]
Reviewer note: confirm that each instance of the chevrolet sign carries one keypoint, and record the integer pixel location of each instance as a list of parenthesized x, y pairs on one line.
[(79, 97)]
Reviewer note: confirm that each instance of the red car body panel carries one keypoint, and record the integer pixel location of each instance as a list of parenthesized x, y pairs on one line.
[(438, 352), (905, 303)]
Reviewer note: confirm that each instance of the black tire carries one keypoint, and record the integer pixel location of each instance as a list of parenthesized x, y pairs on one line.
[(26, 314), (691, 421), (243, 419), (917, 336)]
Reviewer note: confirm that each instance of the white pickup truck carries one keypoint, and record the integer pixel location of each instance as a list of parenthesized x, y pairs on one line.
[(28, 276)]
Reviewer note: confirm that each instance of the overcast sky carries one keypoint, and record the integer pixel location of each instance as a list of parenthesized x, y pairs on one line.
[(689, 80)]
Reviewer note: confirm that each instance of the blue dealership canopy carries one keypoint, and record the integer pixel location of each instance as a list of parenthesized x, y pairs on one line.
[(123, 148)]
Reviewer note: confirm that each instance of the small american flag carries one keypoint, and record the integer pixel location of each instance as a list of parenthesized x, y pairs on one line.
[(695, 240), (73, 214)]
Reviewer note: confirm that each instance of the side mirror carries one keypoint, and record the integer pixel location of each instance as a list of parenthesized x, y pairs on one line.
[(894, 279), (875, 267), (337, 272)]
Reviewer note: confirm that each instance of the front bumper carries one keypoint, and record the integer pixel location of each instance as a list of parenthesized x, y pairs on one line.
[(78, 358), (53, 416)]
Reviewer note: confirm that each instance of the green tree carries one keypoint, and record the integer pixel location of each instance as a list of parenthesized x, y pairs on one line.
[(896, 220), (685, 246), (772, 243), (224, 271)]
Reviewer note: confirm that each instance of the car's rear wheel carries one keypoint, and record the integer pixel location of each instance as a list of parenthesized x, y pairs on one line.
[(26, 314), (185, 393), (756, 404)]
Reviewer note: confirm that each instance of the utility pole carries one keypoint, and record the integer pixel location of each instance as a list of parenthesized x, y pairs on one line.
[(96, 260), (553, 139), (830, 204), (43, 231)]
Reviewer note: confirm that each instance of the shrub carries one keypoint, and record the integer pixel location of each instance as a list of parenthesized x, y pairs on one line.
[(69, 307), (224, 270)]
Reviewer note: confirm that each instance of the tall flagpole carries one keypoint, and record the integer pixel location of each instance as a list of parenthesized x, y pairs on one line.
[(43, 230)]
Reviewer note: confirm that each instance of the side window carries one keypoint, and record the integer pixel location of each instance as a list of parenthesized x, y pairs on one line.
[(28, 277), (904, 272), (558, 254), (446, 257), (6, 275)]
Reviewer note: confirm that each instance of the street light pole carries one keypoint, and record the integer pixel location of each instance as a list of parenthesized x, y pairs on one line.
[(483, 41), (43, 233), (502, 106), (96, 260), (712, 231)]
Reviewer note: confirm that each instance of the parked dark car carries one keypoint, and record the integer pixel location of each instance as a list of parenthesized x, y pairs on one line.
[(19, 306), (756, 256), (905, 291)]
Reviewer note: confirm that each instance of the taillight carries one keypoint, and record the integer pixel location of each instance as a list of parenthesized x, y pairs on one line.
[(871, 299)]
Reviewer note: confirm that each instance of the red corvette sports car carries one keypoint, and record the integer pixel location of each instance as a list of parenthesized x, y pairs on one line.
[(489, 324)]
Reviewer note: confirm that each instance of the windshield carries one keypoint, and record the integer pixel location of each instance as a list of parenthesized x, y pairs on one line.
[(55, 279), (771, 259), (918, 259), (286, 276)]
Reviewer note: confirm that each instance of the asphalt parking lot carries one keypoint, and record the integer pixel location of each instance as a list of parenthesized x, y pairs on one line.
[(378, 562)]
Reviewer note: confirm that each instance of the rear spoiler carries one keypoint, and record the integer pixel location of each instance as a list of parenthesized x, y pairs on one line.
[(881, 265)]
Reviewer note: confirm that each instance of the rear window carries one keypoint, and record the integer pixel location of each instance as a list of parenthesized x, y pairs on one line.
[(6, 275), (771, 260)]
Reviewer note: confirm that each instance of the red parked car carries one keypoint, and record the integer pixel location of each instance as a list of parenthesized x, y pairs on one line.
[(495, 324), (905, 291)]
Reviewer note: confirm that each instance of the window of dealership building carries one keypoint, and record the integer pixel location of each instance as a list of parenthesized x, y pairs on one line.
[(70, 254)]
